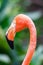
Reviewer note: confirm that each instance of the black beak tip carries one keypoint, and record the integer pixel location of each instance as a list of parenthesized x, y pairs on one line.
[(10, 43)]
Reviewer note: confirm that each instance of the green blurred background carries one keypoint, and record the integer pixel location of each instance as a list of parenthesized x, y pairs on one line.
[(8, 10)]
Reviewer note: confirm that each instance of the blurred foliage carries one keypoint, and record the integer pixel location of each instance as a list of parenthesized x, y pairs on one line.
[(38, 57), (8, 10)]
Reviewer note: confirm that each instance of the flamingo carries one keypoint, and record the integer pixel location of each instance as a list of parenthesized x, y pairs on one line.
[(20, 22)]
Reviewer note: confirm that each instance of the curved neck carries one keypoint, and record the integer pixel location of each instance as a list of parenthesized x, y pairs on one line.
[(19, 23), (32, 46), (23, 21)]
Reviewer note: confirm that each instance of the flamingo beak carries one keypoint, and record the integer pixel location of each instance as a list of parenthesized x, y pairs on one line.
[(10, 36), (10, 43)]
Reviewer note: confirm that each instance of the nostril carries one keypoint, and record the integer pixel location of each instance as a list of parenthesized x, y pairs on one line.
[(10, 42)]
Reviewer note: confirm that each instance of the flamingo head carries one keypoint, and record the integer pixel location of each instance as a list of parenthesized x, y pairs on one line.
[(16, 26)]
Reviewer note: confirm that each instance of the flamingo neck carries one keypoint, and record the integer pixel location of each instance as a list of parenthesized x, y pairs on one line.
[(19, 23), (23, 21), (32, 46)]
